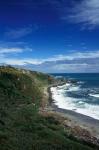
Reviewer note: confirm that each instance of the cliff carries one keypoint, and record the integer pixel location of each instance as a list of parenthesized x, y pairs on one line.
[(22, 127)]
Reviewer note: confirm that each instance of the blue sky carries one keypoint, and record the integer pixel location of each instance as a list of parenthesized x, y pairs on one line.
[(50, 35)]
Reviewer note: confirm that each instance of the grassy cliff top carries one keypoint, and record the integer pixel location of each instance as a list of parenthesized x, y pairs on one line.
[(21, 126)]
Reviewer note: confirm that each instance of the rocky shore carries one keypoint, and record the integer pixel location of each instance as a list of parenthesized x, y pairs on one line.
[(80, 126)]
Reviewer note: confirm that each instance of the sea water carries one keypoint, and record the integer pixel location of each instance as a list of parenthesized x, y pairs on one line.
[(81, 96)]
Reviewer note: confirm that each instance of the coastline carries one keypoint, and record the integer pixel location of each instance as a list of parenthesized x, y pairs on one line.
[(75, 119)]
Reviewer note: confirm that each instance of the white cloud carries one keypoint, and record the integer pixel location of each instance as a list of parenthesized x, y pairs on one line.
[(72, 56), (75, 55), (72, 62), (71, 67), (20, 32), (14, 62), (10, 50), (86, 12), (20, 62), (76, 68)]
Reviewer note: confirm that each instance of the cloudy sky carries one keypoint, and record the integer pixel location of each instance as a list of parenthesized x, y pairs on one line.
[(50, 35)]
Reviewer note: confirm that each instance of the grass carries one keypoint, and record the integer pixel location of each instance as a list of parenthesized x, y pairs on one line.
[(21, 126)]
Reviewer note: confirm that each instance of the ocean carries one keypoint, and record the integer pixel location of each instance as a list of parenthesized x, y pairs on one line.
[(81, 96)]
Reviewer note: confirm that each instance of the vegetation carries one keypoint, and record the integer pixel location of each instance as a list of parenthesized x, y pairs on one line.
[(21, 126)]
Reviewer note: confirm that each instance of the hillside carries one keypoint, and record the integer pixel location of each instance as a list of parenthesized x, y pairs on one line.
[(22, 127)]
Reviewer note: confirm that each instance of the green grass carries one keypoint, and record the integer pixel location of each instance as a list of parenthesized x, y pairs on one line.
[(21, 126)]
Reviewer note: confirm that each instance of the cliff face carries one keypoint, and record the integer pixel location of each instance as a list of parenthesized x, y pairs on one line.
[(21, 126)]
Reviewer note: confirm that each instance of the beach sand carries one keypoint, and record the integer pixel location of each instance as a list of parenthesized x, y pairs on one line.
[(75, 119)]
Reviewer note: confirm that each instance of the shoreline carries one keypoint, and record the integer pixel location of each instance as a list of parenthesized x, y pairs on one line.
[(85, 122)]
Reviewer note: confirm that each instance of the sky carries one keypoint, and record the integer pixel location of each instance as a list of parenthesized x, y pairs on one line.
[(54, 36)]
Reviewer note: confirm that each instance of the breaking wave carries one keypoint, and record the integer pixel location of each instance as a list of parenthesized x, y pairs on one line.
[(74, 97)]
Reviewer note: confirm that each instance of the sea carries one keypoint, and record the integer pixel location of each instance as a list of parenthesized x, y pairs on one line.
[(81, 95)]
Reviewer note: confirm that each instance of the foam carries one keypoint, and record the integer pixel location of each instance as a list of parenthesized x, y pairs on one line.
[(74, 88), (69, 87), (94, 95), (80, 102), (74, 104)]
